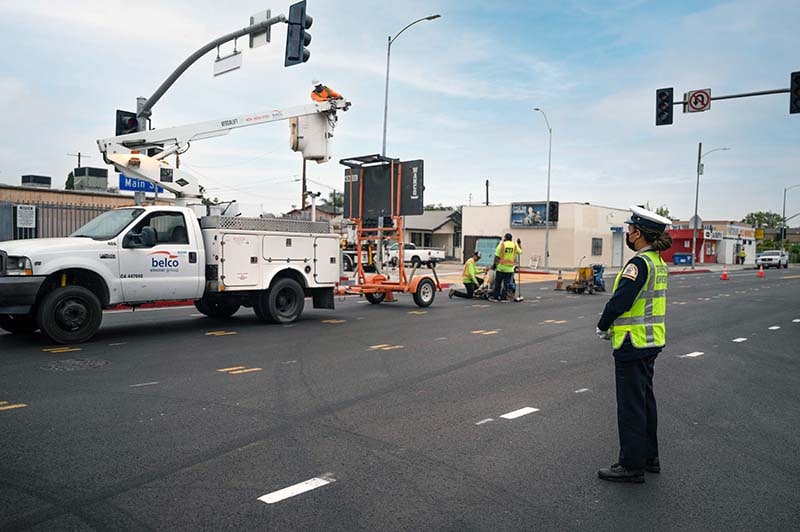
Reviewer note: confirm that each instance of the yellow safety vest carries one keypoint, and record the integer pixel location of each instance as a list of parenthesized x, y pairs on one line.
[(469, 271), (644, 322), (507, 251)]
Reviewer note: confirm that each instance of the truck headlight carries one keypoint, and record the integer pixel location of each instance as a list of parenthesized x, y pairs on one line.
[(19, 266)]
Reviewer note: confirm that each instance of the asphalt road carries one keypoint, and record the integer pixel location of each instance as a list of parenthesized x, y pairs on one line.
[(390, 418)]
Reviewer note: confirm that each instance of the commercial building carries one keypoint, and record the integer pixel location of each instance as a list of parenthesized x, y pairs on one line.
[(718, 242)]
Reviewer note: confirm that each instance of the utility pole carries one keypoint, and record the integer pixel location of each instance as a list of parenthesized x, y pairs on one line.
[(79, 155), (696, 195), (487, 192), (305, 187)]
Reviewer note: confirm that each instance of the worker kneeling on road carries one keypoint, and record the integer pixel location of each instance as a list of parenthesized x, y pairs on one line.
[(469, 277), (633, 320), (322, 93), (504, 259)]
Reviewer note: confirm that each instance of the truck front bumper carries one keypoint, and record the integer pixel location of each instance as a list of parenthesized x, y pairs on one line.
[(18, 294)]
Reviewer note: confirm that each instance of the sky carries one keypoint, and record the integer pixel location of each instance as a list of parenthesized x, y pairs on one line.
[(462, 94)]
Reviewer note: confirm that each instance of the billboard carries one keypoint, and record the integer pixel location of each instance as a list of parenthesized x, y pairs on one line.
[(533, 215)]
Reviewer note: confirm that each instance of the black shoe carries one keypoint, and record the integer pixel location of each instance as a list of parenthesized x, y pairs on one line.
[(653, 466), (618, 473)]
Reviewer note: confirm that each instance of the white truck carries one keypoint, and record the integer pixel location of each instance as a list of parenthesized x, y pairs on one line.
[(136, 255), (414, 255)]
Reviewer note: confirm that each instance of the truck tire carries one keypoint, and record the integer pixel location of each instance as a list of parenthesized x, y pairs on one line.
[(260, 305), (216, 308), (415, 262), (393, 262), (70, 315), (375, 297), (18, 323), (347, 263), (285, 301), (425, 294)]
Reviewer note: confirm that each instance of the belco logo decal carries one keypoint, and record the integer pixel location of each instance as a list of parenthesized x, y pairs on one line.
[(164, 261)]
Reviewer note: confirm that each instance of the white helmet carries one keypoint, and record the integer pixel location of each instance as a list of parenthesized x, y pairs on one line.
[(315, 82)]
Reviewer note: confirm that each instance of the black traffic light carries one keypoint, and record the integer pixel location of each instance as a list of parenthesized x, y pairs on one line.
[(297, 38), (794, 93), (553, 215), (664, 107), (126, 122)]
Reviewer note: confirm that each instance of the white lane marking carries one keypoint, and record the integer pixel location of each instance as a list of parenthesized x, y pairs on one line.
[(116, 344), (297, 489), (519, 413), (143, 384), (774, 327), (692, 354), (441, 339), (196, 315), (581, 390), (795, 321), (290, 362), (482, 421), (739, 340)]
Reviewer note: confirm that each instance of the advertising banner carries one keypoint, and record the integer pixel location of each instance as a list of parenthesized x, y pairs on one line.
[(532, 215)]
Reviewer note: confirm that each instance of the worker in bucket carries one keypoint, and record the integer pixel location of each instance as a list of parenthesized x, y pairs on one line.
[(322, 93), (504, 259), (633, 319), (469, 277)]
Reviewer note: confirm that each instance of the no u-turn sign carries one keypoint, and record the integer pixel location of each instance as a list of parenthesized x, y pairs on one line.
[(697, 101)]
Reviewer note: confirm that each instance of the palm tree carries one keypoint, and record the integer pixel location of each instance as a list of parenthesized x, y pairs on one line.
[(335, 199)]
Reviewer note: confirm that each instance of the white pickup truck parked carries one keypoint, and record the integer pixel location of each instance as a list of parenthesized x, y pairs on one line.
[(136, 255), (414, 255)]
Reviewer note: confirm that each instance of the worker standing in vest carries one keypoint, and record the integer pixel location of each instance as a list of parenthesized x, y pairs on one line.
[(321, 93), (469, 277), (633, 319), (504, 259)]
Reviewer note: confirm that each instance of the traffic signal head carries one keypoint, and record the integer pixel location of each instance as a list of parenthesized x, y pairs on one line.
[(553, 214), (126, 123), (794, 93), (297, 38), (664, 107)]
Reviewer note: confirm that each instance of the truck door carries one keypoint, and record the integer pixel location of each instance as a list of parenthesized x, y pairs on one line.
[(169, 270)]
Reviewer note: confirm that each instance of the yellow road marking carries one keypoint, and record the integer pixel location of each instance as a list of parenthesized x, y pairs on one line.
[(333, 321), (64, 349), (417, 311), (479, 331), (390, 347), (250, 370), (791, 277), (224, 370), (480, 306), (378, 346), (486, 332), (11, 407), (220, 333), (560, 321)]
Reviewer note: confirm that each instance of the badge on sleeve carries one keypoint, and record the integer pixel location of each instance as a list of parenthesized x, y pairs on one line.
[(631, 272)]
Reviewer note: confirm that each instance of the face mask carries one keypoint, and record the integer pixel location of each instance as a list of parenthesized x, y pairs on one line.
[(630, 244)]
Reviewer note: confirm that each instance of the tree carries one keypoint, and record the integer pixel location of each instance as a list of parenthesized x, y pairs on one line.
[(335, 199), (663, 211), (437, 207), (764, 219), (70, 184)]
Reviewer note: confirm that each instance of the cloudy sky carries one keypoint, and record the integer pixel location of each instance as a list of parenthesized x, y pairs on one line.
[(462, 93)]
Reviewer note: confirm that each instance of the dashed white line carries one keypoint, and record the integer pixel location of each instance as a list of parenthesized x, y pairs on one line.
[(116, 344), (739, 340), (482, 421), (795, 321), (297, 489), (774, 327), (143, 384), (519, 413), (693, 354), (441, 339), (581, 390)]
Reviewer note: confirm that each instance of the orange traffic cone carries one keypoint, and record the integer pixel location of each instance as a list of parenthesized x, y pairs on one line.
[(724, 273), (761, 271), (559, 281)]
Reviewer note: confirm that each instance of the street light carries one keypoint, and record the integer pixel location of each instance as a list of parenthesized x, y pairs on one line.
[(700, 156), (386, 96), (783, 216), (547, 207)]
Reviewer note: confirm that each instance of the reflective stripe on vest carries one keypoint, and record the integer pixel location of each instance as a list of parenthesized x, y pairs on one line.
[(644, 322)]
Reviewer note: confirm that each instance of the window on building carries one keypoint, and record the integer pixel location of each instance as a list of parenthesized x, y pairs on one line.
[(416, 238), (686, 244), (597, 246), (457, 239)]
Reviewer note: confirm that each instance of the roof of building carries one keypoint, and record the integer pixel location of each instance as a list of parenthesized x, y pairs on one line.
[(59, 191), (430, 220)]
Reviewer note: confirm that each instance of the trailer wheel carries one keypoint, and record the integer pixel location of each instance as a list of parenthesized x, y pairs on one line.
[(347, 263), (425, 294), (285, 301), (18, 323), (70, 315), (375, 297), (393, 262), (216, 308)]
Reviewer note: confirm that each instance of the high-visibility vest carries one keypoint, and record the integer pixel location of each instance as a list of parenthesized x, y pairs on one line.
[(507, 251), (644, 322), (469, 271), (324, 95)]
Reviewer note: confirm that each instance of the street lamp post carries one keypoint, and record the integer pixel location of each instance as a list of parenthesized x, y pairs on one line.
[(547, 206), (783, 216), (386, 93), (700, 156)]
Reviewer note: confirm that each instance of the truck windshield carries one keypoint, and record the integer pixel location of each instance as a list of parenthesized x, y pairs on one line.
[(108, 225)]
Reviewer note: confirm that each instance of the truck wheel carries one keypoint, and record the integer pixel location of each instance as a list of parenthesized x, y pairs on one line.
[(425, 294), (285, 301), (18, 323), (415, 262), (393, 262), (375, 297), (215, 308), (70, 315), (347, 263)]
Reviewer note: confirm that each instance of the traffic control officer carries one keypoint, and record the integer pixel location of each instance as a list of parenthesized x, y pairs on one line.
[(504, 257), (633, 319), (322, 93), (469, 277)]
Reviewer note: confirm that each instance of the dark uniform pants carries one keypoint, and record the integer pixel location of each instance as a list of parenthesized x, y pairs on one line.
[(636, 412), (501, 284), (470, 291)]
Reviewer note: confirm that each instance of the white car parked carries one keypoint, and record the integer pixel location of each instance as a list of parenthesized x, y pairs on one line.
[(773, 257)]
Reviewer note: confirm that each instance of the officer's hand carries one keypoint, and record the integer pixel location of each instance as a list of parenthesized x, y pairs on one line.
[(494, 266), (603, 335)]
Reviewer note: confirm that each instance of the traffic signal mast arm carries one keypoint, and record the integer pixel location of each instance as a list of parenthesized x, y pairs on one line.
[(127, 153)]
